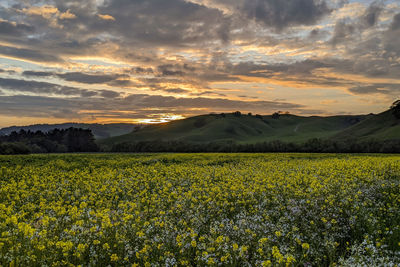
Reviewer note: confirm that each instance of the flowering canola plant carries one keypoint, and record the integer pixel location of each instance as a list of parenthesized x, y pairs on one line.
[(199, 210)]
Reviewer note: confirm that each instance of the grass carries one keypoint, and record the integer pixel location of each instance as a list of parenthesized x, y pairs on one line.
[(243, 129)]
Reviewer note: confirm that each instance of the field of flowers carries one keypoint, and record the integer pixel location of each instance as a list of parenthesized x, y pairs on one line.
[(199, 210)]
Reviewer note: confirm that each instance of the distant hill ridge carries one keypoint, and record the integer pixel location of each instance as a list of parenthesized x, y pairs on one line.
[(241, 129), (100, 131), (250, 129)]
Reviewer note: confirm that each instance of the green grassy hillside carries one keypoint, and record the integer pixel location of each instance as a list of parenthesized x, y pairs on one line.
[(241, 129), (384, 126)]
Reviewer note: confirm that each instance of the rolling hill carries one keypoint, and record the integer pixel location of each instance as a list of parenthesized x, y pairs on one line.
[(100, 131), (252, 129), (384, 126)]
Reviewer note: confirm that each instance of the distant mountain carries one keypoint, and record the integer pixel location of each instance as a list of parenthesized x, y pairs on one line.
[(253, 129), (100, 131)]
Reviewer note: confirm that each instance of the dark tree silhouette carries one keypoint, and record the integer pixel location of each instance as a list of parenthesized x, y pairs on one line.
[(396, 108), (237, 114), (67, 140), (276, 115)]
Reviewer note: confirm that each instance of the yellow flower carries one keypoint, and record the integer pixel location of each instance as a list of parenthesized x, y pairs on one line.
[(210, 261), (266, 263), (114, 257), (235, 246), (262, 241), (305, 246), (81, 248), (219, 239)]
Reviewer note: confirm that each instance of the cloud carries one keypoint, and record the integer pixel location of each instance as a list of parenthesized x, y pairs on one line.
[(175, 23), (37, 73), (280, 14), (67, 15), (80, 77), (371, 15), (14, 29), (90, 78), (45, 11), (36, 87), (175, 90), (29, 54), (210, 48), (109, 94), (142, 100), (385, 89), (342, 32), (395, 25), (48, 12), (106, 17), (132, 106)]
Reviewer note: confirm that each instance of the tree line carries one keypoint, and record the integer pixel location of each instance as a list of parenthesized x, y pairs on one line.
[(310, 146), (80, 140), (54, 141)]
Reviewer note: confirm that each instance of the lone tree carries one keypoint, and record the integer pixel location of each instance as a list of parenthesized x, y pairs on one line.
[(237, 114), (396, 108), (276, 115)]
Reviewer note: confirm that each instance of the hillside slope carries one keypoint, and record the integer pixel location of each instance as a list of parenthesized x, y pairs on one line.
[(241, 129), (383, 126)]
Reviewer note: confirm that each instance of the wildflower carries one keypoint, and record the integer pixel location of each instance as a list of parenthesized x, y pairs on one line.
[(266, 263), (106, 246), (235, 246), (114, 257)]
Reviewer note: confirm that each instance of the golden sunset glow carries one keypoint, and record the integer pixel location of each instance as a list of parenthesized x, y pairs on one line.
[(154, 61)]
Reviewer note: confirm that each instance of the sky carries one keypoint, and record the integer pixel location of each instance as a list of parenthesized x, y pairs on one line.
[(147, 61)]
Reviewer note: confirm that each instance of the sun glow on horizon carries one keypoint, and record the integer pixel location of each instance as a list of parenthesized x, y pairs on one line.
[(161, 119)]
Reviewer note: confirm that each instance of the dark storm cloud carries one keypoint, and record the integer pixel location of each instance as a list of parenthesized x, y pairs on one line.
[(281, 14), (29, 54), (201, 102), (37, 73), (109, 94), (378, 55), (133, 106), (170, 23), (175, 90), (391, 42), (169, 70), (87, 78), (38, 106), (386, 89), (90, 78), (208, 45), (371, 15), (7, 71), (342, 32), (298, 68), (141, 70), (36, 87), (14, 29), (395, 25)]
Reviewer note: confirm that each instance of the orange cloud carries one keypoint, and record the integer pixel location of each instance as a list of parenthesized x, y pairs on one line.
[(106, 17)]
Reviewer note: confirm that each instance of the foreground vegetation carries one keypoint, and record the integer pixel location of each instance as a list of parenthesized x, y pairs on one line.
[(200, 209)]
